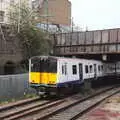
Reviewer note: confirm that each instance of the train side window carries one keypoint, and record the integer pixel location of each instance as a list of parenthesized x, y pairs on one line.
[(91, 69), (86, 68), (64, 69), (74, 69), (99, 68)]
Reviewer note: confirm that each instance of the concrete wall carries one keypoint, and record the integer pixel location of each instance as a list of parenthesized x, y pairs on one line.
[(14, 86)]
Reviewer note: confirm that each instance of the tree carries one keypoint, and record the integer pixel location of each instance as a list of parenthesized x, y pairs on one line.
[(24, 22)]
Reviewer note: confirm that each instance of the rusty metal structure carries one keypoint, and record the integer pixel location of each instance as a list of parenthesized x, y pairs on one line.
[(98, 44)]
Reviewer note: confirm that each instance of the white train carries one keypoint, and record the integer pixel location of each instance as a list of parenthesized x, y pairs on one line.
[(54, 74)]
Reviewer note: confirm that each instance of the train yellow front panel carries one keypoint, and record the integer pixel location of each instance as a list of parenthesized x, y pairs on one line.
[(35, 77), (52, 78), (48, 78), (43, 78)]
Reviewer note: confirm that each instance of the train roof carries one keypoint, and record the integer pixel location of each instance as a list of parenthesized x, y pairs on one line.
[(61, 58)]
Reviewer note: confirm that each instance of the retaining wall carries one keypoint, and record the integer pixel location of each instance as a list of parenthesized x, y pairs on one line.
[(14, 86)]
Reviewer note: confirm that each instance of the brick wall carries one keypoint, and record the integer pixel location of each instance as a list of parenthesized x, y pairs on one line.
[(59, 12), (10, 48)]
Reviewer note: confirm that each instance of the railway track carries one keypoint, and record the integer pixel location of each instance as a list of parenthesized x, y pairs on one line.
[(75, 111), (21, 106), (56, 108), (80, 107), (18, 103)]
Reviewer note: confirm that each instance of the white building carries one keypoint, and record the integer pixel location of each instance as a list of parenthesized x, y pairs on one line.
[(5, 7)]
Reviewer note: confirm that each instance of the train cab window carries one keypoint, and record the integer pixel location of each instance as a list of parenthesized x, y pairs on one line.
[(74, 69), (35, 67), (86, 68), (91, 68), (52, 66), (44, 65)]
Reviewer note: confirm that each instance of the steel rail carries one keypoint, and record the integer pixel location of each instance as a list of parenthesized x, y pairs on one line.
[(92, 106), (19, 103), (46, 116)]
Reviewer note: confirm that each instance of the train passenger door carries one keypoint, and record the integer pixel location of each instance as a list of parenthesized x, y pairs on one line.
[(95, 71), (80, 72)]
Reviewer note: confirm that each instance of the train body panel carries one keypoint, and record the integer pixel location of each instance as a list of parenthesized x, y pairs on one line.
[(111, 68), (69, 72), (59, 72), (42, 72), (43, 78), (34, 77), (118, 67)]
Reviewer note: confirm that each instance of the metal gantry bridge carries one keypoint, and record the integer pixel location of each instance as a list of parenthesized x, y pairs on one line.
[(98, 44)]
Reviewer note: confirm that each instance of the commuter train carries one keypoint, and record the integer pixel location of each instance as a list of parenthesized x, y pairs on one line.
[(49, 74)]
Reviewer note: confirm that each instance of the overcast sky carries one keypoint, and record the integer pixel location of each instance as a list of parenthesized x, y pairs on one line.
[(96, 14)]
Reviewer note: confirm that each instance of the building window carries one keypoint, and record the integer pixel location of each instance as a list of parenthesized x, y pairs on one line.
[(2, 16), (86, 68), (74, 69)]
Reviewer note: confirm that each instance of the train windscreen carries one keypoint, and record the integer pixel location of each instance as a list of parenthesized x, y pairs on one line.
[(44, 65)]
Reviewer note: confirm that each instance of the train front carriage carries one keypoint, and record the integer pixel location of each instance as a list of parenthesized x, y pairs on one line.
[(48, 74), (43, 74)]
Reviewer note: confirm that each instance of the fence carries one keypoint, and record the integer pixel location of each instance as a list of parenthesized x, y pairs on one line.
[(14, 86)]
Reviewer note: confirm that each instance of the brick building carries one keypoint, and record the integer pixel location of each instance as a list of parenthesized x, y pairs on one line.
[(54, 11)]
